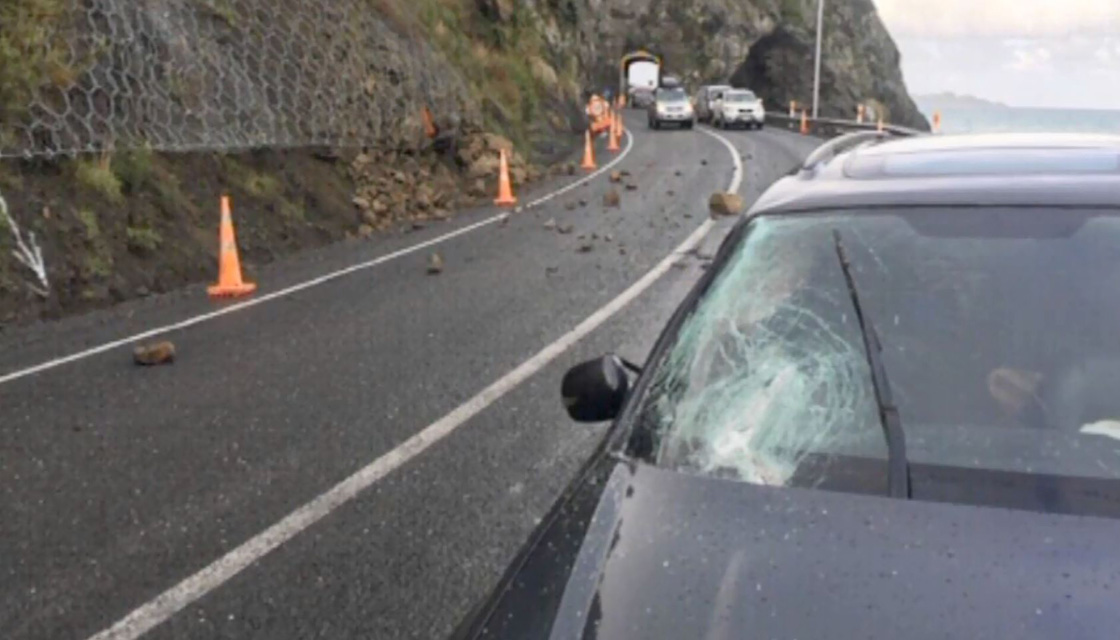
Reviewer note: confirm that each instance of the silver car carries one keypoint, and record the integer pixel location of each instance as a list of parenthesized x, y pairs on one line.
[(706, 98), (671, 106), (739, 107)]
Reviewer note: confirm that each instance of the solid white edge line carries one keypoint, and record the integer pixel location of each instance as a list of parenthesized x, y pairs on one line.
[(737, 175), (287, 291), (188, 591)]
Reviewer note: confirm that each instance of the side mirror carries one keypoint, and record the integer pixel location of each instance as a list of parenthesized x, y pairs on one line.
[(594, 391)]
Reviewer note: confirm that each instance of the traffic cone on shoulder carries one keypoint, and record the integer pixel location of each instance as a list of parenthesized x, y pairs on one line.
[(804, 123), (505, 189), (588, 154), (612, 141), (230, 284), (880, 125)]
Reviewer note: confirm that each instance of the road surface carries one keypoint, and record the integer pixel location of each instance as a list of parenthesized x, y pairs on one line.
[(120, 483)]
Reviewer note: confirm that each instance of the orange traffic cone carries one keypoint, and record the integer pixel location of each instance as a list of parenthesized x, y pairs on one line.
[(804, 123), (880, 125), (505, 190), (588, 154), (612, 141), (229, 284)]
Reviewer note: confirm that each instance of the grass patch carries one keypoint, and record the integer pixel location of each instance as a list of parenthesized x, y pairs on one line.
[(133, 169), (98, 176), (255, 183), (97, 266), (90, 225), (33, 52), (143, 239), (221, 9)]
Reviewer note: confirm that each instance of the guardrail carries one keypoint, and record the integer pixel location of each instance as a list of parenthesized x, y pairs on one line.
[(831, 127)]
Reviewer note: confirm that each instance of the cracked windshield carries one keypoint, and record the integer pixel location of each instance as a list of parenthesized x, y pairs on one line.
[(559, 319)]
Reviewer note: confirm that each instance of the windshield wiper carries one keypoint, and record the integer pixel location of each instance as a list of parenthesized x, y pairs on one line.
[(898, 469)]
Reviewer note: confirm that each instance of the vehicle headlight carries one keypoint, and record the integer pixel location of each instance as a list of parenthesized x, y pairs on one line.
[(662, 109)]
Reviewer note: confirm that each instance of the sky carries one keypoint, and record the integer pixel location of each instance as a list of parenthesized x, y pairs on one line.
[(1024, 53)]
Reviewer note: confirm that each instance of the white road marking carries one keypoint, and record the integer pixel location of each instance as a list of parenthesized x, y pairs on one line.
[(175, 599), (562, 191), (737, 175), (314, 282)]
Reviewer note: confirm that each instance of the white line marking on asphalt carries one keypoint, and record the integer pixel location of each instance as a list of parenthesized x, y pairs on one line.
[(175, 599), (314, 282), (737, 175)]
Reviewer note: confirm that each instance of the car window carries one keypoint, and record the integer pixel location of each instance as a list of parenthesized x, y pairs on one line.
[(671, 95), (999, 338), (739, 97)]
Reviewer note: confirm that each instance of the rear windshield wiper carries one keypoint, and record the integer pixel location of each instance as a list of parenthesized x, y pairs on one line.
[(898, 469)]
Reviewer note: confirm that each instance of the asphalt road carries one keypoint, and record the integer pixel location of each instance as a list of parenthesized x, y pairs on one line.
[(117, 483)]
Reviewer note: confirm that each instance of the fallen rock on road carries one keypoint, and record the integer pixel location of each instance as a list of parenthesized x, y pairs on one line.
[(154, 354), (435, 264), (612, 199), (725, 204)]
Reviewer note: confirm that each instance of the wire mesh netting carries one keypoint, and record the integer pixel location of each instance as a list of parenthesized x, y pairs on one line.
[(183, 75)]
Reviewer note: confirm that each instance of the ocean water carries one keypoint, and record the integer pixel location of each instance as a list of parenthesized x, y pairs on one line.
[(1014, 119)]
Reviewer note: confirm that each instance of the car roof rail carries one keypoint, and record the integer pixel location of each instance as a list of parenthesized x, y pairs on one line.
[(838, 145)]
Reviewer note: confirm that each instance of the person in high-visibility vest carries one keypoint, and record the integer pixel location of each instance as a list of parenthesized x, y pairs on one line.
[(598, 114)]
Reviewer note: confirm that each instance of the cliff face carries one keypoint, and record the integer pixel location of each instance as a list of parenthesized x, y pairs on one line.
[(311, 114), (766, 45)]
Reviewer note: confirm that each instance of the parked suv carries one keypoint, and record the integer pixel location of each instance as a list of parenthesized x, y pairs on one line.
[(738, 108), (762, 478), (671, 106), (705, 100)]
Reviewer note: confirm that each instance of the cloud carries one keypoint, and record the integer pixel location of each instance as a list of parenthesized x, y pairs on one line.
[(1030, 59), (1000, 18), (1049, 71)]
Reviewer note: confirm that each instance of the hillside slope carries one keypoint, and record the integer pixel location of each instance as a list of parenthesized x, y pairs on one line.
[(312, 114)]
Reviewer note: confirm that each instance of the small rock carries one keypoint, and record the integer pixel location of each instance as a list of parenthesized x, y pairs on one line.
[(582, 202), (670, 193), (435, 264), (611, 199), (570, 206), (677, 173), (418, 225), (154, 354), (608, 238), (565, 229), (586, 247), (570, 168), (624, 173), (688, 215), (399, 176), (725, 204), (616, 176), (631, 187), (622, 251), (550, 223), (551, 270), (142, 292), (365, 231), (704, 162), (594, 236), (360, 203)]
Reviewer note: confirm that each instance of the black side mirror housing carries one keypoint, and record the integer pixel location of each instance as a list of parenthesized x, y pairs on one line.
[(595, 391)]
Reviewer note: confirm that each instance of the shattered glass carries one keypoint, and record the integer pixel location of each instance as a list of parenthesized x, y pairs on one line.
[(999, 339), (770, 367)]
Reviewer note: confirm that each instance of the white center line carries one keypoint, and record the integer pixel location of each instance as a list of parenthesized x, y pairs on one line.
[(175, 599), (314, 282)]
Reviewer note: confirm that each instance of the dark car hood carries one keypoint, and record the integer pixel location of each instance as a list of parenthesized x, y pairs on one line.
[(673, 556)]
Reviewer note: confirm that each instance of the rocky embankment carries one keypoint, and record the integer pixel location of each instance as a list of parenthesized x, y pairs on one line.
[(310, 115)]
